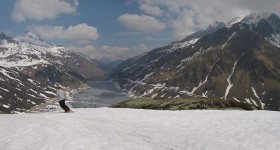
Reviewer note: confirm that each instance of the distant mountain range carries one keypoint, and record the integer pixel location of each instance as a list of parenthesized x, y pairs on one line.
[(30, 68), (239, 60)]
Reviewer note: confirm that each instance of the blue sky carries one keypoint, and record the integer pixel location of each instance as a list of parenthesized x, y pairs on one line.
[(118, 29)]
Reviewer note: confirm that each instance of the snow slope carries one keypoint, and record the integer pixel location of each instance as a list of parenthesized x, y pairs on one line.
[(107, 128)]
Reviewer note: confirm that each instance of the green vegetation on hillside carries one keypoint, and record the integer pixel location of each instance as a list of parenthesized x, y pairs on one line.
[(184, 104)]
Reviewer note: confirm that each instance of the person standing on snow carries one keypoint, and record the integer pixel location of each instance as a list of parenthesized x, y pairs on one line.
[(61, 98)]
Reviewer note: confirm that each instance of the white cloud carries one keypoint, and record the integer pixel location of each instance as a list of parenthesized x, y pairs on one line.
[(111, 52), (186, 16), (117, 53), (40, 9), (128, 2), (152, 10), (150, 38), (183, 25), (143, 23), (140, 49), (87, 50), (81, 33)]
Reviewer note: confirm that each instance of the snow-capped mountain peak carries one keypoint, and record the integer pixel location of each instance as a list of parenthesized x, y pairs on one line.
[(233, 21), (6, 39), (31, 38), (193, 38), (29, 49), (256, 18), (215, 24), (32, 35), (265, 24)]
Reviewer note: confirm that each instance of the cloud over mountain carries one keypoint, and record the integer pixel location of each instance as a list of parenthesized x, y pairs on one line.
[(152, 10), (41, 9), (81, 33), (142, 23), (111, 52), (188, 16)]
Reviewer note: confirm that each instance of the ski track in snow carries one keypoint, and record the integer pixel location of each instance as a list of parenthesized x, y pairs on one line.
[(129, 129)]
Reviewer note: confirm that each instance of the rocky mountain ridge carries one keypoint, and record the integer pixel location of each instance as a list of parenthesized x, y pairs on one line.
[(238, 61)]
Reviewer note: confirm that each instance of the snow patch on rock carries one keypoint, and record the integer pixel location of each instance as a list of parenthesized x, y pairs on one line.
[(230, 84), (229, 39)]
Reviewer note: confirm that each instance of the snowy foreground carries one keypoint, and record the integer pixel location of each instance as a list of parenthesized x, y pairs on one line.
[(128, 129)]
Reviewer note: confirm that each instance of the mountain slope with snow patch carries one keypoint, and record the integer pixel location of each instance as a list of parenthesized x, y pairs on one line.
[(29, 58), (247, 57)]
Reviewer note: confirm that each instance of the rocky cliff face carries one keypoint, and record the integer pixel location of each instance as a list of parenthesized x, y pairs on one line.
[(238, 62)]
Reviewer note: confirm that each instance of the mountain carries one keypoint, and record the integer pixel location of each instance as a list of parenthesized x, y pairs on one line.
[(265, 24), (112, 63), (233, 21), (30, 68), (237, 61), (57, 53), (103, 66), (31, 38), (128, 69), (191, 39)]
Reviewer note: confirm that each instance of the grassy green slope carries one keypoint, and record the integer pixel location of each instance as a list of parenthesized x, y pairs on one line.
[(184, 104)]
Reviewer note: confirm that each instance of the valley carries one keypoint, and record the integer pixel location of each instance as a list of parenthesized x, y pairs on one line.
[(238, 60), (140, 75)]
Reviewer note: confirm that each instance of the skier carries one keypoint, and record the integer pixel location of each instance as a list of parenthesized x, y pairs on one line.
[(61, 97)]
